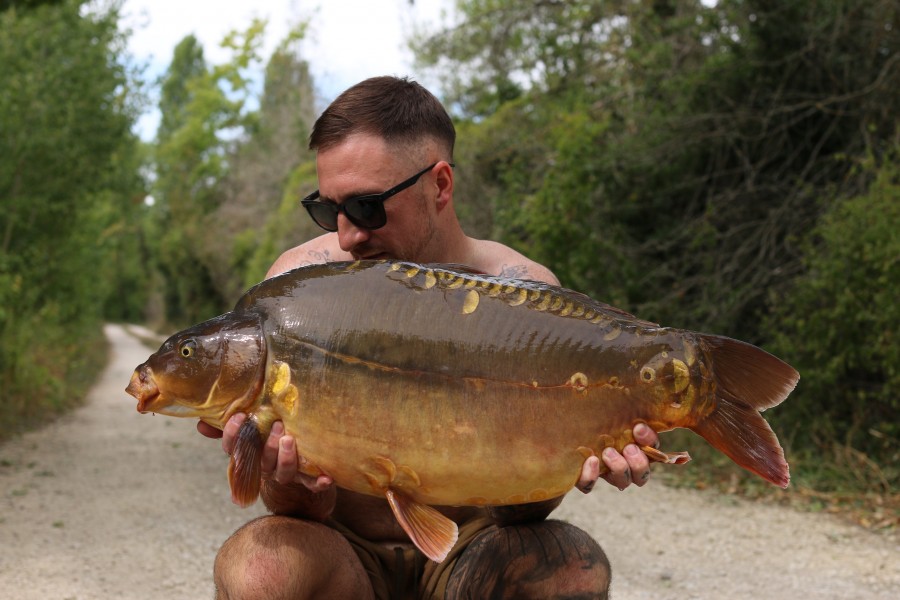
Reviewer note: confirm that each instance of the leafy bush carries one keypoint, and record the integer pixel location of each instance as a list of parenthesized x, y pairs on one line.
[(838, 326)]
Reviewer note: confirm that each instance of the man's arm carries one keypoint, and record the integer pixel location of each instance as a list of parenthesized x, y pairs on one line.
[(285, 490)]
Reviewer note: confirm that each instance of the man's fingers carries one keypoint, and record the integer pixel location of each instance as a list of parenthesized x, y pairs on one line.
[(208, 430), (269, 457), (318, 485), (230, 431), (619, 473), (279, 460), (645, 436), (590, 472), (632, 466), (287, 463), (638, 464)]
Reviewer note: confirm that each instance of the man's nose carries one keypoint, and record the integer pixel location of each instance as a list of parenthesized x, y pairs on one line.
[(349, 235)]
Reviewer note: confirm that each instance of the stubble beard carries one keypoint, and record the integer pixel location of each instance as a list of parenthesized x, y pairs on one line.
[(417, 248)]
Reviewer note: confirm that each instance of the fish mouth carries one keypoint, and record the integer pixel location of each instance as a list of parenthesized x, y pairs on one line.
[(144, 404), (143, 387)]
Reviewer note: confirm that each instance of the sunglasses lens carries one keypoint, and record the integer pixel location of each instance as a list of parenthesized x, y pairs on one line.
[(367, 213), (325, 215)]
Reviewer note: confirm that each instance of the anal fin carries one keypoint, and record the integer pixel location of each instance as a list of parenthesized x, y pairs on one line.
[(244, 471), (672, 458), (431, 532)]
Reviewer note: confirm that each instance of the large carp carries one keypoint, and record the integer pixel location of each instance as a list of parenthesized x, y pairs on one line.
[(432, 385)]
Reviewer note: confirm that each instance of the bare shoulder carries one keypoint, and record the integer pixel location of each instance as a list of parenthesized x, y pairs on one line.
[(316, 251), (497, 259)]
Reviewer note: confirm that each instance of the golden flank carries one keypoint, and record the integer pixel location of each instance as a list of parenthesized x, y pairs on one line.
[(431, 385)]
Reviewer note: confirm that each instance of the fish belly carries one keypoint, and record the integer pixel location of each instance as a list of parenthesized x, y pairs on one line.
[(449, 441)]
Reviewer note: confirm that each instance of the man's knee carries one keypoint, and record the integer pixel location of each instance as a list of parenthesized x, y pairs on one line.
[(549, 559), (280, 557), (257, 560)]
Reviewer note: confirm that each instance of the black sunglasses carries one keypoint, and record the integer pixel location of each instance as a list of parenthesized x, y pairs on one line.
[(363, 211)]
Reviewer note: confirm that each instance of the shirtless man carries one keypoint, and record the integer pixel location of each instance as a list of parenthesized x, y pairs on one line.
[(322, 542)]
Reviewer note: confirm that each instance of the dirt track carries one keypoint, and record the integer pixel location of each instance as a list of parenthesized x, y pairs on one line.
[(107, 503)]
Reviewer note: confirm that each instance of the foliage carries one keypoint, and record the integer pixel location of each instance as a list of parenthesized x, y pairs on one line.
[(221, 166), (260, 177), (671, 165), (68, 185), (284, 228), (839, 322), (25, 4), (671, 157), (189, 163)]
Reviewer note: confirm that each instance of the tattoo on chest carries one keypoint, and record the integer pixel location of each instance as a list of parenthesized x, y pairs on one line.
[(514, 271), (317, 257)]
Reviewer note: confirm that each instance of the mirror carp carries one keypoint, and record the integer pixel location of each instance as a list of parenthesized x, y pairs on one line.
[(432, 385)]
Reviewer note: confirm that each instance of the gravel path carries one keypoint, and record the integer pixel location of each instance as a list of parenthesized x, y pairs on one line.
[(108, 503)]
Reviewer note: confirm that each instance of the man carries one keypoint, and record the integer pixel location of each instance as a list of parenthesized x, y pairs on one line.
[(321, 542)]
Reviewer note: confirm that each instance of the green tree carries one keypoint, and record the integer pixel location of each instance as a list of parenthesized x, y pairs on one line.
[(68, 188), (672, 164), (186, 165), (238, 244), (205, 113)]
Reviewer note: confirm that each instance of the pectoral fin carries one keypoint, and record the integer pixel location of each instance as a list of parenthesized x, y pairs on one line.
[(431, 532), (672, 458), (244, 471)]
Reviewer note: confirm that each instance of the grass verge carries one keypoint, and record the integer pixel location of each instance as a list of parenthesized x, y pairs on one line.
[(53, 376), (837, 481)]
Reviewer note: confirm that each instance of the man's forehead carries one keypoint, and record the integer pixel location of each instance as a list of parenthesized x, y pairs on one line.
[(371, 145), (363, 160)]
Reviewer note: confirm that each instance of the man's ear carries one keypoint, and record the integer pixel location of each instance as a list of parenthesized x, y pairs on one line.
[(444, 182)]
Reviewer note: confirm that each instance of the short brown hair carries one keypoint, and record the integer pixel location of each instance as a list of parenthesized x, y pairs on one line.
[(396, 109)]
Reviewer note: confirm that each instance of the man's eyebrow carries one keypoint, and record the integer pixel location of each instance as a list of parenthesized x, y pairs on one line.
[(354, 194)]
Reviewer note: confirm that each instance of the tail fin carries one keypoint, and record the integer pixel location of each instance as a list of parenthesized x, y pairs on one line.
[(748, 381)]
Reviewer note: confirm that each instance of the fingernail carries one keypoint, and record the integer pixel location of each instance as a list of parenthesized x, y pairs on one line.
[(287, 443), (609, 453), (632, 450), (278, 429), (640, 429)]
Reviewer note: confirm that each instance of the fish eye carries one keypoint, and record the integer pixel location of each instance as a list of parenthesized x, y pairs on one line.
[(187, 348)]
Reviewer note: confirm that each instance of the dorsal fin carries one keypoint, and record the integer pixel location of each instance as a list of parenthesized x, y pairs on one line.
[(431, 532), (459, 268)]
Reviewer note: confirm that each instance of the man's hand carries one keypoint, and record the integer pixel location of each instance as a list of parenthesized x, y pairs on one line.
[(279, 461), (208, 430), (632, 466)]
